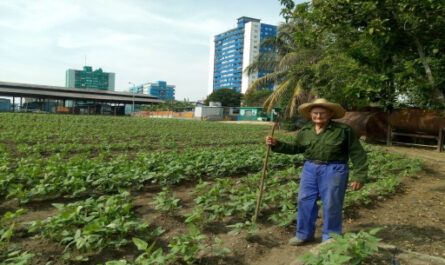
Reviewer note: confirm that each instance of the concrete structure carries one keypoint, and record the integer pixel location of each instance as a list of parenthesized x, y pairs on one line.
[(209, 113), (232, 51), (74, 98), (159, 89), (87, 78)]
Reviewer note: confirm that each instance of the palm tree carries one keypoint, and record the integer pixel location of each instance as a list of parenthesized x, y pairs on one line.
[(296, 49)]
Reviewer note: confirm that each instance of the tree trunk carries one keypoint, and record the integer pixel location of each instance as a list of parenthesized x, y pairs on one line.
[(435, 92)]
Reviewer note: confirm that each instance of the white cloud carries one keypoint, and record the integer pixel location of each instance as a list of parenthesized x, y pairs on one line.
[(139, 40), (102, 39)]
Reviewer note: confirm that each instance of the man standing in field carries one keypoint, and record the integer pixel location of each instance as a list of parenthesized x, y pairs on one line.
[(327, 147)]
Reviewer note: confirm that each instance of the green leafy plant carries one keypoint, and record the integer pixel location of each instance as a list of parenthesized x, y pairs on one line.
[(94, 224), (8, 252), (250, 226), (166, 202), (351, 248), (185, 247)]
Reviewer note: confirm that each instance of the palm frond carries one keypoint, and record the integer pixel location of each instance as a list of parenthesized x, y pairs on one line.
[(288, 60), (272, 100), (261, 65), (298, 91), (263, 81)]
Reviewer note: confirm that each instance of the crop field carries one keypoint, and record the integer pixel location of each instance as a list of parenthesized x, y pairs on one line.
[(121, 190)]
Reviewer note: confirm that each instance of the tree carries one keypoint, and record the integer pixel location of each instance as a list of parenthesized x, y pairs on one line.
[(228, 97), (398, 45), (256, 98), (356, 53)]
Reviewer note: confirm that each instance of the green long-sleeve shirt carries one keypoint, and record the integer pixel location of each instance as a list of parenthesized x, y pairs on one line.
[(337, 142)]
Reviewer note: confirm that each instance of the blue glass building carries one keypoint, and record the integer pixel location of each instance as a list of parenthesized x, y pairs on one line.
[(159, 89), (232, 51)]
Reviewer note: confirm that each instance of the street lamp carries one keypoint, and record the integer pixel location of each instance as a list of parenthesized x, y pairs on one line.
[(132, 90)]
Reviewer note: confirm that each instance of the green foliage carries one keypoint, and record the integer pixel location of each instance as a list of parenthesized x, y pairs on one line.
[(94, 224), (182, 248), (81, 175), (147, 257), (351, 248), (373, 51), (232, 200), (188, 245), (249, 226), (73, 156), (81, 155), (17, 258), (293, 123), (288, 7), (236, 199), (228, 97), (357, 53), (256, 98), (9, 254), (172, 105), (166, 202)]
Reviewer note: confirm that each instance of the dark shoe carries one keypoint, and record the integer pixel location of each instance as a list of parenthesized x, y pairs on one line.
[(299, 242)]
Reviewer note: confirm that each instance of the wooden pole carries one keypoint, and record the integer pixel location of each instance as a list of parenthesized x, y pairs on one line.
[(263, 175), (388, 130)]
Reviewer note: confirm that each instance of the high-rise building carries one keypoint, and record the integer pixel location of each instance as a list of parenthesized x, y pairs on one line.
[(232, 51), (87, 78), (159, 89)]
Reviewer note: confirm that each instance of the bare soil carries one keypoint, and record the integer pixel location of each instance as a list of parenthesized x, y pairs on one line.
[(413, 219)]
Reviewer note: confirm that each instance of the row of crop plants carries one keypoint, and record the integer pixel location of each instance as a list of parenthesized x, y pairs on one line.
[(67, 134)]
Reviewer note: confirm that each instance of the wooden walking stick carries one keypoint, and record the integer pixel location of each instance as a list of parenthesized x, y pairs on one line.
[(263, 175)]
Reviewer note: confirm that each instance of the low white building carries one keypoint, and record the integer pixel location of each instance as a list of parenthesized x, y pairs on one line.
[(209, 113)]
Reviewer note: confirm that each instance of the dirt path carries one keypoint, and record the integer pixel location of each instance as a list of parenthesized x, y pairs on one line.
[(415, 218)]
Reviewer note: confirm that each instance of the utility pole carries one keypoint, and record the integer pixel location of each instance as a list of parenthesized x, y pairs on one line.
[(132, 90)]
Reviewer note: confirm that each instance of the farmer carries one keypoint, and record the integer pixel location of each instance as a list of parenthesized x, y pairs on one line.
[(326, 146)]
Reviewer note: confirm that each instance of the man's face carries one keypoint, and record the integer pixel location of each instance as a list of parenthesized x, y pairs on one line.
[(321, 115)]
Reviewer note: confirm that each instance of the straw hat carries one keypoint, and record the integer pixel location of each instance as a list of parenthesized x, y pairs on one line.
[(337, 109)]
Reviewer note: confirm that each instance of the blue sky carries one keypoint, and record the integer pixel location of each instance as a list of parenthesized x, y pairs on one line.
[(139, 40)]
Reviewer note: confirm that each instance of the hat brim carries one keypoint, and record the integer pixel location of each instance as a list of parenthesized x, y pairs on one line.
[(337, 109)]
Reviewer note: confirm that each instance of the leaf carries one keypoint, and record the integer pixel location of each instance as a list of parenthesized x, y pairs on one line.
[(221, 251), (7, 235), (193, 230), (375, 230), (59, 206), (140, 244), (81, 258), (218, 241), (116, 262)]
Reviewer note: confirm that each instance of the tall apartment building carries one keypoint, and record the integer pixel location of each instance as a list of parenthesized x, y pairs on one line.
[(159, 89), (232, 51), (87, 78)]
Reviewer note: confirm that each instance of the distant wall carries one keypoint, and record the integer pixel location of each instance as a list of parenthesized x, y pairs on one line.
[(163, 114)]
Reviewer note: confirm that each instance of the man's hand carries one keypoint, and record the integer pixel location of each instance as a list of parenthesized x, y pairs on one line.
[(270, 141), (356, 185)]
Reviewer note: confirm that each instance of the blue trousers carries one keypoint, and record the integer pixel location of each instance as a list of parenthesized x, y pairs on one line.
[(328, 182)]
